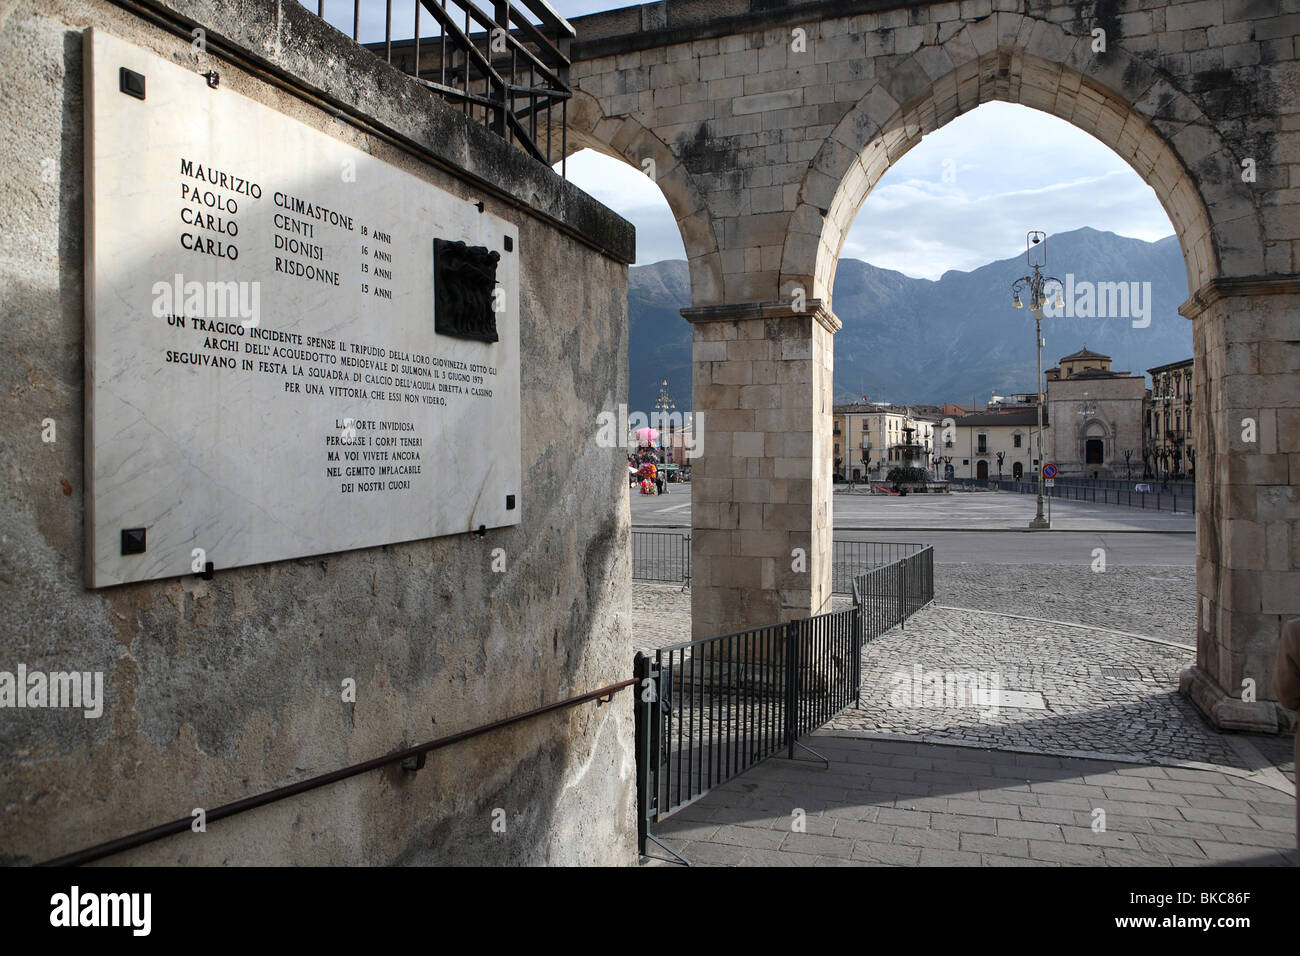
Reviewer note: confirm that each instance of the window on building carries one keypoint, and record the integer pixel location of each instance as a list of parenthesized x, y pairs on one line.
[(982, 444), (1016, 440)]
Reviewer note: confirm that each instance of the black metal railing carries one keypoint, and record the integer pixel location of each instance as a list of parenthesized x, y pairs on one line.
[(1156, 499), (665, 556), (889, 595), (708, 710), (851, 558), (501, 68)]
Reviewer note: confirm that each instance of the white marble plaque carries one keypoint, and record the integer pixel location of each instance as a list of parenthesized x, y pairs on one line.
[(263, 376)]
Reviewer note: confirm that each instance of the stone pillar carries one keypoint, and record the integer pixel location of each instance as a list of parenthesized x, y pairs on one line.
[(761, 492), (1247, 401)]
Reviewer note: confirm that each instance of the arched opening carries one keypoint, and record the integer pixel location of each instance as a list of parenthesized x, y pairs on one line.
[(916, 217)]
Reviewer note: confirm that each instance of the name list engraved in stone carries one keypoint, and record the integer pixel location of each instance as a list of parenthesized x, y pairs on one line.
[(261, 342)]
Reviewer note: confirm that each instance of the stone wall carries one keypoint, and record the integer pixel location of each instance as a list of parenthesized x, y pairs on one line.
[(219, 689), (1248, 497)]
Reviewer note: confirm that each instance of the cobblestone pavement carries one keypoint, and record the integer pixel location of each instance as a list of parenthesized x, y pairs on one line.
[(905, 804), (1061, 690)]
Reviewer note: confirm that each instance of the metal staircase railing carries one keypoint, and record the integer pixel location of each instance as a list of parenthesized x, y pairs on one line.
[(501, 68)]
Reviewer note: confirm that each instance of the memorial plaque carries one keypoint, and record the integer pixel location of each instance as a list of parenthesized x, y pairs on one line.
[(265, 373)]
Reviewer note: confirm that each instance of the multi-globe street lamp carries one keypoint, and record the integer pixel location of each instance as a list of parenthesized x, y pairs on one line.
[(1035, 285)]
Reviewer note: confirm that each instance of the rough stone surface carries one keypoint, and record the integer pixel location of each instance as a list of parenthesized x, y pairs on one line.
[(217, 690)]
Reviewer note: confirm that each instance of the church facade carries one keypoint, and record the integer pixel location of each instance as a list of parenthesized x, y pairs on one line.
[(1097, 417)]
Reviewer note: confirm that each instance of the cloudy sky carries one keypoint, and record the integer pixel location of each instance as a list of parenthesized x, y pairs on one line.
[(964, 196)]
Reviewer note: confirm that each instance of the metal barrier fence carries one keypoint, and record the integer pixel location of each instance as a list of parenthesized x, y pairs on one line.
[(708, 710), (1155, 500), (661, 556), (851, 558), (665, 556), (889, 595), (1181, 487)]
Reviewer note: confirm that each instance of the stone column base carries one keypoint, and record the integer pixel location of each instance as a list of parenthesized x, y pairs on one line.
[(1227, 712)]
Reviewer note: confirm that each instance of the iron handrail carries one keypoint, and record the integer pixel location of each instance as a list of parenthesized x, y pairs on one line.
[(142, 837)]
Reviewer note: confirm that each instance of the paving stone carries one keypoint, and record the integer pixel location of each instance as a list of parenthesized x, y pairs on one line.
[(777, 858), (1146, 810), (938, 839), (1252, 836), (817, 845), (685, 830), (1282, 824), (1232, 852), (996, 845), (1066, 853), (1201, 815), (903, 818), (949, 858), (748, 837), (872, 832), (1053, 815), (979, 808), (964, 824), (1086, 836), (881, 853), (1182, 847), (1185, 787), (1227, 805), (713, 854), (1029, 830)]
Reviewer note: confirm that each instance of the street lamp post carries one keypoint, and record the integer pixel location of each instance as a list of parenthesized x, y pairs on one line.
[(1036, 286)]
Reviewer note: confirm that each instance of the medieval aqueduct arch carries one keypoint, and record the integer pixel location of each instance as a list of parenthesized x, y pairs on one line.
[(768, 126)]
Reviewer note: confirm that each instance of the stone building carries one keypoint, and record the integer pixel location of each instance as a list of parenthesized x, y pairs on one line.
[(1097, 417), (1170, 442), (972, 444), (869, 439)]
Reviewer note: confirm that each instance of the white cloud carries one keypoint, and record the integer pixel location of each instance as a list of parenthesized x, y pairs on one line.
[(1016, 169)]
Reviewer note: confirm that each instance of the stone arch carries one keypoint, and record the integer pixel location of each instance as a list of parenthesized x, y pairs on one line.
[(1117, 98), (626, 139)]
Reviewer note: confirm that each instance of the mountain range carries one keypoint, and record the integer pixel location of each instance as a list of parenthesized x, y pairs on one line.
[(954, 339)]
